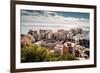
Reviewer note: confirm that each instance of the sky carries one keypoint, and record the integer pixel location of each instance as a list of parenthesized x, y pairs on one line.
[(39, 19)]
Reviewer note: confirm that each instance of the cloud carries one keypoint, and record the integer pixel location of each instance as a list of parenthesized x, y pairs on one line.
[(30, 13), (51, 17)]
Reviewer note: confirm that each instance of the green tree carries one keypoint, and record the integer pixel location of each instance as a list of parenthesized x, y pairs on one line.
[(33, 53), (67, 57), (28, 53), (51, 57)]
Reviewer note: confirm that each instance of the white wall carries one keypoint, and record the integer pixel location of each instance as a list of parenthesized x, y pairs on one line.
[(5, 36)]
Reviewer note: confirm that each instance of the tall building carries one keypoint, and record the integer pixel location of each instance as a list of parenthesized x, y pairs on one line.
[(59, 49)]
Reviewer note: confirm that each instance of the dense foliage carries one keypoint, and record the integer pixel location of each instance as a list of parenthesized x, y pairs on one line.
[(34, 53), (67, 57)]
